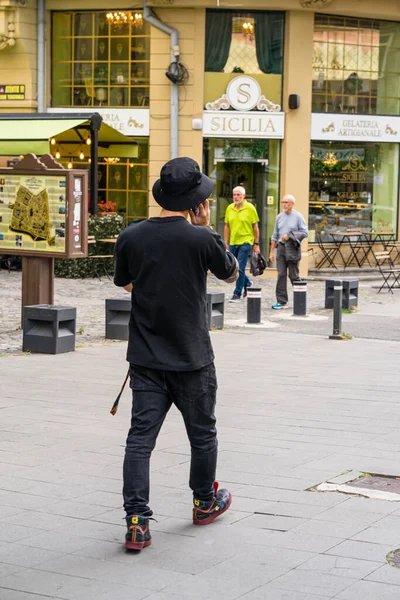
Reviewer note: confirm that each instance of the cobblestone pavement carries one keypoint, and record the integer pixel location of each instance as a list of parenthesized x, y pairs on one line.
[(378, 317), (307, 410)]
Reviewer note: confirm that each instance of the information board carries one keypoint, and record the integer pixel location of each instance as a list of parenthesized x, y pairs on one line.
[(43, 209), (33, 212)]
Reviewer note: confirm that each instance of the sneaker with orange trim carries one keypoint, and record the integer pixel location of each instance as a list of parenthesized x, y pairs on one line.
[(138, 535), (205, 512)]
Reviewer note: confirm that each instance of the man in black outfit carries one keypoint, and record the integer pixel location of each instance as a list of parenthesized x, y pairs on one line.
[(163, 262)]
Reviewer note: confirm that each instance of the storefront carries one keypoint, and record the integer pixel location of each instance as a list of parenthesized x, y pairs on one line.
[(243, 123), (355, 127), (101, 60), (336, 66)]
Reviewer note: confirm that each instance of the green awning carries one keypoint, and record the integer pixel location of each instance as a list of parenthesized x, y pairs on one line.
[(25, 135), (37, 129), (20, 147)]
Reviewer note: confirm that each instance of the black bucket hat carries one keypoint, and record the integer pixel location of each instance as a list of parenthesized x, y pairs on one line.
[(182, 185)]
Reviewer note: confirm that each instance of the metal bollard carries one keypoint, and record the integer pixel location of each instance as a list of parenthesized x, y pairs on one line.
[(254, 305), (299, 298), (337, 310)]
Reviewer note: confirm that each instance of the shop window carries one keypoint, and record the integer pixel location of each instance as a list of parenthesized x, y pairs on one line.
[(353, 185), (122, 182), (356, 66), (244, 42), (97, 61)]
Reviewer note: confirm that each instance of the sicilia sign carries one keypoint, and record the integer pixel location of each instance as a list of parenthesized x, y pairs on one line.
[(355, 128), (243, 94)]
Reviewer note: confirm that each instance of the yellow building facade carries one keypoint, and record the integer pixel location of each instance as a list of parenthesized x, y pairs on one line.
[(320, 78)]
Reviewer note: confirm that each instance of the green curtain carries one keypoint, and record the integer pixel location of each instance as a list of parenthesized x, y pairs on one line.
[(218, 40), (268, 30)]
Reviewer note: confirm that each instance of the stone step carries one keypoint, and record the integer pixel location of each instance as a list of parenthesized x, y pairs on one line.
[(364, 274)]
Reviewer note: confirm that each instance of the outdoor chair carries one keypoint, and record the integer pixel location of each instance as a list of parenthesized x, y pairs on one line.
[(100, 261), (328, 251), (390, 274), (394, 249)]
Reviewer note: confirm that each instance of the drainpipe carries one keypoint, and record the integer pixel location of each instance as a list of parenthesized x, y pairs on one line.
[(40, 55), (150, 18)]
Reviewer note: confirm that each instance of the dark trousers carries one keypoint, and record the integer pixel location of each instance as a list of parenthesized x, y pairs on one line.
[(154, 391), (283, 266), (241, 253)]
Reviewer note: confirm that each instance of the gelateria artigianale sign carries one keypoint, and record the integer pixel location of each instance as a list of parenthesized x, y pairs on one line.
[(355, 128), (253, 115)]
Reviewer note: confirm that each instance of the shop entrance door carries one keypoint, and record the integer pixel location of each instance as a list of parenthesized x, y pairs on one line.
[(261, 190), (254, 164)]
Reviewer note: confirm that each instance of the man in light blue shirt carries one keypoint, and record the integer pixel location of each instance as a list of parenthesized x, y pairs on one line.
[(290, 229)]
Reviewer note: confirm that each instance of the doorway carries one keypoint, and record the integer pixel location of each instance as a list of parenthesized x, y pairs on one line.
[(253, 164)]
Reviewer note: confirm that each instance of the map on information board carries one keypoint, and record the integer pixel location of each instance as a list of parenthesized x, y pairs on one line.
[(32, 213)]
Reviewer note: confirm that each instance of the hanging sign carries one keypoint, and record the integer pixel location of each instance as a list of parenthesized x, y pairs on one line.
[(128, 121), (355, 128), (243, 94)]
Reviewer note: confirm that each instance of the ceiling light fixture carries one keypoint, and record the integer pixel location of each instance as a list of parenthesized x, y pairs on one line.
[(121, 17), (248, 30), (330, 159)]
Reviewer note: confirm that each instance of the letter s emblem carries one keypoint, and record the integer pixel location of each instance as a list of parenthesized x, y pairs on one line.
[(242, 92)]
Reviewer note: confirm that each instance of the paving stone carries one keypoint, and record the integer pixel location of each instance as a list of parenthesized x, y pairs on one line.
[(48, 584), (71, 508), (225, 580), (274, 522), (329, 528), (340, 566), (29, 501), (369, 590), (8, 594), (378, 536), (14, 533), (385, 574), (313, 582), (41, 520), (362, 550), (48, 541), (100, 498), (271, 591), (24, 556), (7, 569)]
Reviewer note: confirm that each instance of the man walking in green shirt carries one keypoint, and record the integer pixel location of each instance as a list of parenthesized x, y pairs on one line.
[(242, 233)]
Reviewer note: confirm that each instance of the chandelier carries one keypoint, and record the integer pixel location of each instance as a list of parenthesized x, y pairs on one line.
[(121, 17), (111, 160), (248, 30), (330, 159)]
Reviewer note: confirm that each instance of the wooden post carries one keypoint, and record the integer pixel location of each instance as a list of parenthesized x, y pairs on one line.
[(37, 282)]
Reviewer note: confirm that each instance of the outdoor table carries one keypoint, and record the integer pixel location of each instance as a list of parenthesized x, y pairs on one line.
[(377, 237), (363, 241), (354, 240)]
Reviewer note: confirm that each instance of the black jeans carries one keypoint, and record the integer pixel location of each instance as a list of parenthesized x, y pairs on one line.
[(153, 392), (283, 266)]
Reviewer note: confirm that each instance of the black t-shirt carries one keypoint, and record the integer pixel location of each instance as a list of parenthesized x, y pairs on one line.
[(166, 260)]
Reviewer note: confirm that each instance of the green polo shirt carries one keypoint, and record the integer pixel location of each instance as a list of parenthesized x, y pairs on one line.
[(241, 223)]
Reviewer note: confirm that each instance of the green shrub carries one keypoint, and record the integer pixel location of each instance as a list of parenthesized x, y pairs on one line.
[(101, 228)]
